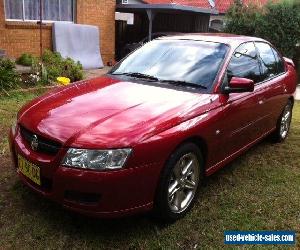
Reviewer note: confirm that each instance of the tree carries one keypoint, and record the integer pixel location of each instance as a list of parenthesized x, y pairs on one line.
[(277, 22)]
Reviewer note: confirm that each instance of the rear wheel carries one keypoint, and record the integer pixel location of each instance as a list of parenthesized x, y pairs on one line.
[(179, 183), (283, 123)]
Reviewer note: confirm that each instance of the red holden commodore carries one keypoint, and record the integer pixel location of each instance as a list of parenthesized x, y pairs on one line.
[(145, 135)]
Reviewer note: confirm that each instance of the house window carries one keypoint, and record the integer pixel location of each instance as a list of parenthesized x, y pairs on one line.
[(29, 10)]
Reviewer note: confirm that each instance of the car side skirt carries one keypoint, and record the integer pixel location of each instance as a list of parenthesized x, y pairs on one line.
[(231, 157)]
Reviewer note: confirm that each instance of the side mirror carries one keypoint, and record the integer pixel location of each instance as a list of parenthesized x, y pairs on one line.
[(239, 85)]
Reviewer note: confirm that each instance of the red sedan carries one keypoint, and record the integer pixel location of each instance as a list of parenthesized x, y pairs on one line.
[(145, 135)]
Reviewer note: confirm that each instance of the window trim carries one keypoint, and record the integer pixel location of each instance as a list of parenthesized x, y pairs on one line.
[(258, 61), (258, 53), (23, 20), (224, 82), (280, 56)]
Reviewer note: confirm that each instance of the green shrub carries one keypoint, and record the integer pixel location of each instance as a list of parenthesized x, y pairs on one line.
[(277, 22), (26, 60), (242, 19), (9, 78), (72, 70), (55, 66)]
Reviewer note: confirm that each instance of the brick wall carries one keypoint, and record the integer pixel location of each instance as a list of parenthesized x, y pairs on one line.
[(20, 37)]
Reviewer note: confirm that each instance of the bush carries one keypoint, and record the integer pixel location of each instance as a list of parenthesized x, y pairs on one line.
[(72, 70), (243, 20), (55, 66), (26, 60), (9, 78), (278, 23)]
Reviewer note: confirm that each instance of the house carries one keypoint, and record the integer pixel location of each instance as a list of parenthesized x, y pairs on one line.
[(220, 6), (19, 31), (213, 4), (160, 16), (134, 20)]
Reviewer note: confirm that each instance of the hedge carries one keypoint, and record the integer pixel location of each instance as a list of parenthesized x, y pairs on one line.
[(277, 22)]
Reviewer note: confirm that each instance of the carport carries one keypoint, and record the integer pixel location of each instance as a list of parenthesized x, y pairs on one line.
[(149, 18)]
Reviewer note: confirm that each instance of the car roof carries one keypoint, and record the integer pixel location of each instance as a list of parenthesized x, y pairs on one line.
[(229, 39)]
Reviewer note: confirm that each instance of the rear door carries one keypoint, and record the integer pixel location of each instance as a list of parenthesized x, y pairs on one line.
[(271, 89)]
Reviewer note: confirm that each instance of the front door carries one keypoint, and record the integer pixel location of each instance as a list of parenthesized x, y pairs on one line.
[(243, 121)]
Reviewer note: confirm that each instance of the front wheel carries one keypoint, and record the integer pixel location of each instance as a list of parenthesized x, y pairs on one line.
[(283, 123), (179, 183)]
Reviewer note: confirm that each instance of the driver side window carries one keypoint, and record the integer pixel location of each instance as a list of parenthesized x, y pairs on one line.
[(244, 63)]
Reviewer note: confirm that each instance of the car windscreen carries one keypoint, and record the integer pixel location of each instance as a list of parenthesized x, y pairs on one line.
[(195, 62)]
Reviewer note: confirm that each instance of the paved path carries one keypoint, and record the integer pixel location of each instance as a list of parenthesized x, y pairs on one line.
[(23, 69), (88, 74), (298, 93), (92, 73)]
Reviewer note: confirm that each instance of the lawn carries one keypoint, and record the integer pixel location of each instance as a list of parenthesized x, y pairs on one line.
[(258, 191)]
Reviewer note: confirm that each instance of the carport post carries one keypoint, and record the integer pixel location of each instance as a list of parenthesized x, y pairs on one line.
[(151, 16)]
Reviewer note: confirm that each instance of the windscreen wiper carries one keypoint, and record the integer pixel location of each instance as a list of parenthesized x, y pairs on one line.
[(184, 83), (137, 75)]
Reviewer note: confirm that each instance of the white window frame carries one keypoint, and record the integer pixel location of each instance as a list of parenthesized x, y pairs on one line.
[(44, 21)]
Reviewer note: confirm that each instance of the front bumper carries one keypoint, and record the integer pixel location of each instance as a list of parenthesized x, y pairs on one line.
[(101, 194)]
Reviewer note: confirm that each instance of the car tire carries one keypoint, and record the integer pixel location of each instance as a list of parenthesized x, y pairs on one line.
[(283, 123), (179, 183)]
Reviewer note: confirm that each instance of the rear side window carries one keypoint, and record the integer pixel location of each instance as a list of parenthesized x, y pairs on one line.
[(280, 62), (244, 63), (268, 61)]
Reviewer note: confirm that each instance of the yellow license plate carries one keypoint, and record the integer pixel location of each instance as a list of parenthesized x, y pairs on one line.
[(29, 170)]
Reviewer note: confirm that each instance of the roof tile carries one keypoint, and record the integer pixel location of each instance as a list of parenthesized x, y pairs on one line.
[(221, 5), (192, 3)]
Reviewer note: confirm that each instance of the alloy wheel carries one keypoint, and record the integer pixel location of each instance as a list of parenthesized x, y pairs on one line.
[(183, 183), (285, 122)]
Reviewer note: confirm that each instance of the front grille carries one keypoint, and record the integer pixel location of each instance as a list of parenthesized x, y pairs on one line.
[(45, 146)]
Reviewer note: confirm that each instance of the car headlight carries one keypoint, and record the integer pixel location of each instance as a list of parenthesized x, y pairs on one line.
[(96, 159)]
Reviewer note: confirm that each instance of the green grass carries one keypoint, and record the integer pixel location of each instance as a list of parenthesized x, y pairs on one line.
[(258, 191)]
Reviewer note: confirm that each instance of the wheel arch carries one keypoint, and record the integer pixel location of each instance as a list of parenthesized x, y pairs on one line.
[(200, 143)]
